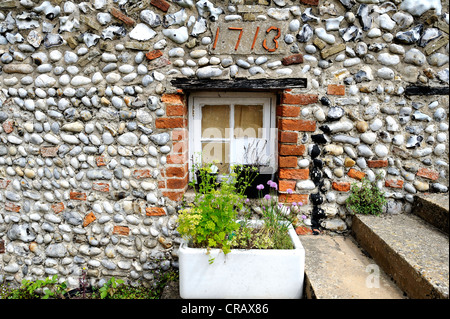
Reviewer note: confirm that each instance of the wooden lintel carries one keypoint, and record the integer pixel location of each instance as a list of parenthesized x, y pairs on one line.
[(426, 90), (239, 84)]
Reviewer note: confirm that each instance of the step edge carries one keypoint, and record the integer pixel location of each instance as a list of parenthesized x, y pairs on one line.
[(390, 260)]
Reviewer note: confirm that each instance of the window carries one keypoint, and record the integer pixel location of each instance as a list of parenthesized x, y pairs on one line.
[(233, 128)]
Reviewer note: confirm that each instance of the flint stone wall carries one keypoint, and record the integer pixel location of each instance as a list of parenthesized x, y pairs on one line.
[(93, 150)]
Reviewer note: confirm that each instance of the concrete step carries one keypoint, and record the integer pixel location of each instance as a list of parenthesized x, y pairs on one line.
[(433, 208), (414, 253), (337, 268)]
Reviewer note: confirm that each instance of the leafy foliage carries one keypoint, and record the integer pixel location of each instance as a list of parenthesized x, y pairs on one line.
[(212, 220), (366, 199), (42, 289), (113, 289), (212, 217)]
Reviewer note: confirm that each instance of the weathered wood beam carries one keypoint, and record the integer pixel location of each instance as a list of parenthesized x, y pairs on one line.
[(426, 90), (256, 84)]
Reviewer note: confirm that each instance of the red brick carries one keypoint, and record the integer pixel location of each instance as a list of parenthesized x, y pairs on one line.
[(153, 54), (89, 218), (303, 230), (297, 125), (288, 110), (290, 198), (179, 147), (287, 137), (177, 159), (11, 207), (287, 161), (77, 196), (336, 89), (377, 163), (176, 171), (292, 149), (165, 122), (310, 2), (176, 110), (161, 4), (49, 151), (297, 173), (4, 183), (121, 230), (299, 99), (292, 59), (173, 195), (394, 183), (284, 185), (353, 173), (172, 98), (101, 187), (177, 183), (8, 126), (155, 211), (341, 186), (428, 173), (122, 17), (58, 207), (100, 161), (142, 173), (179, 135)]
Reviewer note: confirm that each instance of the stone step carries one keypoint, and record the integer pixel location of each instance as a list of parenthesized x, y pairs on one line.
[(337, 268), (433, 208), (414, 253)]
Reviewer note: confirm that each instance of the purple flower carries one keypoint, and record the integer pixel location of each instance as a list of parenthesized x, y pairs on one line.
[(300, 203), (247, 200), (267, 197), (260, 187), (294, 204), (303, 217), (273, 185), (289, 191), (269, 182)]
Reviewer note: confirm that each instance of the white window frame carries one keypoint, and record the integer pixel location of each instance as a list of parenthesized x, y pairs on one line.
[(270, 133)]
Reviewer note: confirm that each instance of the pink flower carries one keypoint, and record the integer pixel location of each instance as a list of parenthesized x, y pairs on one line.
[(303, 217), (267, 197), (289, 191), (300, 203), (260, 187)]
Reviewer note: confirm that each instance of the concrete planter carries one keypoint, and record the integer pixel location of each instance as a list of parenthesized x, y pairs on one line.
[(243, 274)]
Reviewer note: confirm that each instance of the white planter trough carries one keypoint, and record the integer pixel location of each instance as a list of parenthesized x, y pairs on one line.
[(242, 274)]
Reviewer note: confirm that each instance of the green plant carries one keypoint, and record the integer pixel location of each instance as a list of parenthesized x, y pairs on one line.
[(277, 217), (212, 218), (366, 199), (244, 176), (110, 287), (43, 289)]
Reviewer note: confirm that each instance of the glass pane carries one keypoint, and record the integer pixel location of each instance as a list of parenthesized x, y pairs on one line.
[(215, 121), (216, 151), (248, 121)]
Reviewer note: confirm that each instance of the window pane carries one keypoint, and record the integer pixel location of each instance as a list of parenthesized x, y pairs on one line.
[(215, 119), (215, 151), (248, 121)]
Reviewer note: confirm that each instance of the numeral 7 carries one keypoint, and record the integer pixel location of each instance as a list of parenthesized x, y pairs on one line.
[(240, 36)]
